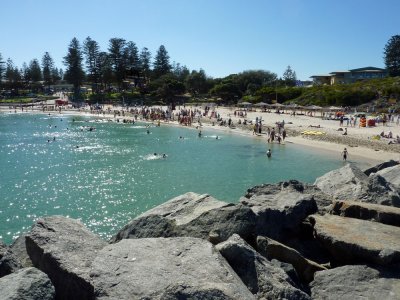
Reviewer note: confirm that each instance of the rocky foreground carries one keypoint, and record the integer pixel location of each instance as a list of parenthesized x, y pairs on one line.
[(336, 239)]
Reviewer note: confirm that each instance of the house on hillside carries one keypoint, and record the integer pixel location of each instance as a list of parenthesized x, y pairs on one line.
[(350, 76)]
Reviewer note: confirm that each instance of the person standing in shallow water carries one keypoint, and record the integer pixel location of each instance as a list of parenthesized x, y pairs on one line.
[(345, 154)]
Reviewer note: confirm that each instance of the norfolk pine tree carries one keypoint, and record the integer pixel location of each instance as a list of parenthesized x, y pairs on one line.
[(392, 56), (73, 61)]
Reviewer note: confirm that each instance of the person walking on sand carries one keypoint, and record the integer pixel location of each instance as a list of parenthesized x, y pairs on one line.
[(344, 154)]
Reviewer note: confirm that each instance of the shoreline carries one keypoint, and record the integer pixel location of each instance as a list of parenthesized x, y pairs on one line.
[(362, 151)]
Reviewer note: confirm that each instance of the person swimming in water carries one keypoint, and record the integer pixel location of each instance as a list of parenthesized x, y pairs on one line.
[(164, 155), (344, 154), (269, 153), (148, 131), (200, 134)]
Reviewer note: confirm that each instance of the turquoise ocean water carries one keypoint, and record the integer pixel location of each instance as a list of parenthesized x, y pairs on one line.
[(114, 176)]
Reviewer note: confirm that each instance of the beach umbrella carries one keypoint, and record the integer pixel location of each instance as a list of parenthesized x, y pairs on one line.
[(245, 103), (277, 105), (293, 106), (313, 107), (261, 104)]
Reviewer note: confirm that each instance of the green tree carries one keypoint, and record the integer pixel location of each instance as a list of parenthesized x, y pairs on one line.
[(91, 50), (144, 60), (392, 56), (227, 90), (161, 65), (250, 81), (13, 76), (105, 68), (196, 82), (289, 77), (2, 68), (181, 72), (166, 87), (117, 53), (74, 73), (132, 59), (55, 74), (35, 71), (47, 67), (25, 73)]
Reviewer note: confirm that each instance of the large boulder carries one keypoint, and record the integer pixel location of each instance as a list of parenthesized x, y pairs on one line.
[(392, 175), (165, 268), (304, 267), (381, 192), (381, 167), (323, 200), (192, 215), (278, 214), (18, 248), (350, 183), (9, 263), (27, 284), (352, 241), (355, 282), (64, 249), (366, 211), (263, 279)]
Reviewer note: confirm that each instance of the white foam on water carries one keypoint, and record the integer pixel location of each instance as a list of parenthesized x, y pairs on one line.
[(152, 157)]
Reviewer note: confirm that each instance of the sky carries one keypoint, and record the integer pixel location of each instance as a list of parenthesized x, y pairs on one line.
[(220, 36)]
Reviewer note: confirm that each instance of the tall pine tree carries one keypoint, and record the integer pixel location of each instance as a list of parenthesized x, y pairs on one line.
[(2, 67), (289, 77), (161, 65), (91, 49), (145, 58), (117, 54), (35, 71), (47, 67), (73, 61), (392, 56)]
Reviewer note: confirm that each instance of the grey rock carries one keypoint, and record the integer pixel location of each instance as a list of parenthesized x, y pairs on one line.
[(346, 183), (271, 249), (350, 183), (392, 175), (192, 215), (27, 284), (381, 192), (355, 282), (279, 213), (366, 211), (18, 248), (275, 188), (64, 249), (381, 167), (291, 272), (164, 268), (9, 263), (358, 241), (263, 279), (3, 248), (323, 200)]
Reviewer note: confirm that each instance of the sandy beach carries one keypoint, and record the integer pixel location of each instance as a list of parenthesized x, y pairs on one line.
[(359, 141)]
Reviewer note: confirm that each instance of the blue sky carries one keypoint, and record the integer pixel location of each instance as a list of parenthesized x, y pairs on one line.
[(220, 36)]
